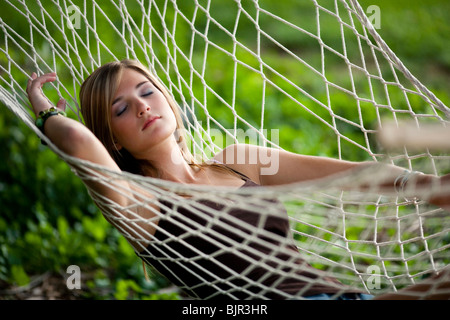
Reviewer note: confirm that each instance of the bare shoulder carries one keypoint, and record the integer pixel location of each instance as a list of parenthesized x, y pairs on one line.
[(244, 158)]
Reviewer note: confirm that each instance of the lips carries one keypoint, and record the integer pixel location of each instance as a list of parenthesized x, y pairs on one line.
[(150, 121)]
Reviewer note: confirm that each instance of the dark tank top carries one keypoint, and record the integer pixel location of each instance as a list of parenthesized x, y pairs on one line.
[(198, 263)]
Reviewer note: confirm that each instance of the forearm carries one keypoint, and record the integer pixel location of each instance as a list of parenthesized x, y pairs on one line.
[(70, 136), (390, 179), (67, 134), (76, 140)]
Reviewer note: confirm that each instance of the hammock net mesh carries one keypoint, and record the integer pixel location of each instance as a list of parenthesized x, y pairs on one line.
[(234, 68)]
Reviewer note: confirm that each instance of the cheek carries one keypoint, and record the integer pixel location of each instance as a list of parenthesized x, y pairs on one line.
[(119, 130), (172, 123), (168, 114)]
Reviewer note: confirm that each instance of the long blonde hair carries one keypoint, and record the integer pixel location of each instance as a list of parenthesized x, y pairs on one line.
[(96, 97)]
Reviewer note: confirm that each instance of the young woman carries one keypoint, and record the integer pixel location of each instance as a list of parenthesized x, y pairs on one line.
[(133, 124)]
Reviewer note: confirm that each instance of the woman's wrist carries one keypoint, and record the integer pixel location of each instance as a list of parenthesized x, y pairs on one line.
[(45, 114)]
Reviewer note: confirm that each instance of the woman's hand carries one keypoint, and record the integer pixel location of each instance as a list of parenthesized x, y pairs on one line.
[(38, 100)]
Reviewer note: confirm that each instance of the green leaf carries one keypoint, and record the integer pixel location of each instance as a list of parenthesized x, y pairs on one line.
[(124, 288), (19, 275)]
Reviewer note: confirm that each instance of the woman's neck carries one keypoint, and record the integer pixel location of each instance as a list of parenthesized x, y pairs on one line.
[(171, 165)]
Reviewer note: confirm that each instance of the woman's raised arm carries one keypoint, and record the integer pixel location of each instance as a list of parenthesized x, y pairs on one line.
[(69, 135), (76, 140)]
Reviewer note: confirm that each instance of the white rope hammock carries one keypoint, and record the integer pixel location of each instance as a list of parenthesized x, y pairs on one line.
[(374, 243)]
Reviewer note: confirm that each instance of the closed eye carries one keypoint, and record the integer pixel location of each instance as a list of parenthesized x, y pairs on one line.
[(121, 111), (147, 93)]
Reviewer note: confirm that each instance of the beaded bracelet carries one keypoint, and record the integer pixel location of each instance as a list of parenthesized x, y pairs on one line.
[(44, 115)]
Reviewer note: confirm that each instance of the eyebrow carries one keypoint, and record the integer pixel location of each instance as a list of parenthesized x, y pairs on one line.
[(137, 87)]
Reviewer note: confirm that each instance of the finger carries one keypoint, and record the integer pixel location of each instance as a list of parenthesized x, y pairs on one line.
[(30, 80), (61, 104), (48, 77), (38, 82)]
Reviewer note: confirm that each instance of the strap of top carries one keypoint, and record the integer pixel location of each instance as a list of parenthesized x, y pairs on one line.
[(243, 176)]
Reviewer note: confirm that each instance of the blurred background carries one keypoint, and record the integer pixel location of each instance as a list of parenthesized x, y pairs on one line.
[(47, 219)]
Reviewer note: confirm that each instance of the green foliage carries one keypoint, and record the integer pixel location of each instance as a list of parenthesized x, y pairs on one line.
[(19, 275)]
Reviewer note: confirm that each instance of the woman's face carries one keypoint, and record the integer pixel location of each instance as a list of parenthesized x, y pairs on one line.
[(141, 117)]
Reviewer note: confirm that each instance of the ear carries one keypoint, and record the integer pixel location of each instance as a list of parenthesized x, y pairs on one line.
[(117, 145)]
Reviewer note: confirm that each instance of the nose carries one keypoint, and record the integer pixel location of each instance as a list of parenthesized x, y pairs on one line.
[(143, 108)]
